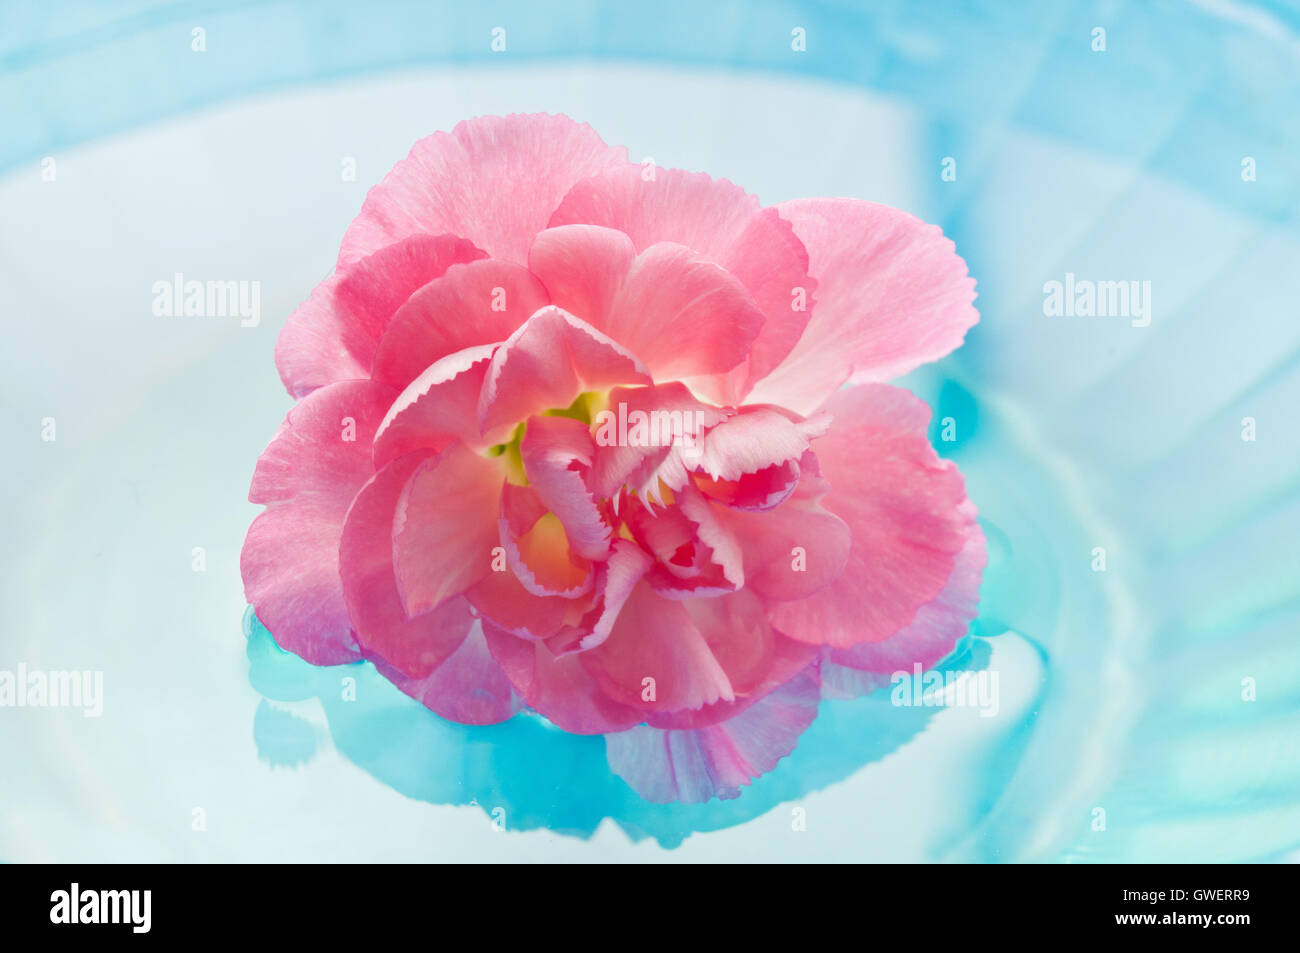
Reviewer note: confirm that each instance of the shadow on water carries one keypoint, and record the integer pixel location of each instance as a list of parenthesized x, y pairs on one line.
[(539, 776)]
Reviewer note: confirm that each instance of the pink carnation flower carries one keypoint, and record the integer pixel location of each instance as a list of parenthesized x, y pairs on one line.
[(574, 434)]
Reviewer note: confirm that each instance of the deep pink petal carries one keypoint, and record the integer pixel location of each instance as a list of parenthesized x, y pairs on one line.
[(694, 765), (722, 224), (736, 629), (309, 474), (904, 509), (723, 546), (557, 453), (334, 334), (445, 527), (501, 598), (483, 302), (892, 294), (617, 576), (547, 363), (695, 553), (413, 646), (437, 408), (495, 179), (655, 639), (558, 688), (761, 490), (469, 688)]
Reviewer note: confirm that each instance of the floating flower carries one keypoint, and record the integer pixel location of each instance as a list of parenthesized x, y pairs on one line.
[(611, 442)]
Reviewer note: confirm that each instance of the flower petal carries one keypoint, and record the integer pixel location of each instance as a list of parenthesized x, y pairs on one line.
[(761, 490), (903, 506), (694, 765), (721, 224), (617, 576), (892, 294), (334, 334), (413, 646), (558, 688), (682, 315), (736, 629), (695, 554), (786, 659), (656, 659), (557, 453), (479, 303), (495, 179), (309, 474), (796, 548), (938, 625), (445, 527), (634, 434), (754, 439), (469, 688), (437, 408), (501, 598), (545, 364), (583, 268)]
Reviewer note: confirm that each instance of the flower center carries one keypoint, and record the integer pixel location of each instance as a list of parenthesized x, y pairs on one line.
[(584, 409)]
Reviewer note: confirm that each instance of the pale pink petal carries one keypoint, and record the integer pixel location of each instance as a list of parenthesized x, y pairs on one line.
[(557, 454), (483, 302), (334, 334), (903, 507), (938, 625), (583, 268), (840, 681), (414, 646), (309, 474), (892, 294), (722, 224), (445, 527), (469, 688), (547, 363), (437, 408), (654, 639), (694, 765), (682, 315), (495, 179), (558, 688)]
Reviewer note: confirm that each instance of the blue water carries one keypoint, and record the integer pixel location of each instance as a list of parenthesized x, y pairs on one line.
[(1123, 690)]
